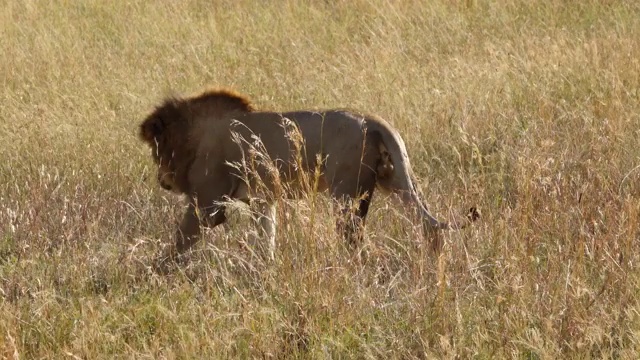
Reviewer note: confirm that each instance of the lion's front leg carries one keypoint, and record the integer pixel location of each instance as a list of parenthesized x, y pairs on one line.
[(264, 216), (189, 230), (187, 234)]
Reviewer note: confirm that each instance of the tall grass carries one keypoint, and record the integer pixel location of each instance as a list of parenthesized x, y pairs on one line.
[(528, 109)]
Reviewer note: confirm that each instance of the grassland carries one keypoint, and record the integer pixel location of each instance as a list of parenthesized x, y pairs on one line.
[(528, 109)]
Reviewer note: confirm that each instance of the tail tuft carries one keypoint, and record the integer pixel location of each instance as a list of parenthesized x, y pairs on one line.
[(473, 214)]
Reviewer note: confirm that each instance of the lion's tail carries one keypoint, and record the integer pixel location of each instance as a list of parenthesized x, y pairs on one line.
[(400, 181)]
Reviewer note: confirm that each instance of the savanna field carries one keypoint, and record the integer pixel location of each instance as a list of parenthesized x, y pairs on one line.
[(529, 110)]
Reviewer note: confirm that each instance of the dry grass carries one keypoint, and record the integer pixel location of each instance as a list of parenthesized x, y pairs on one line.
[(528, 109)]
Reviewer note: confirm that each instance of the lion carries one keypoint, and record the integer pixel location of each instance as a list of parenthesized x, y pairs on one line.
[(198, 141)]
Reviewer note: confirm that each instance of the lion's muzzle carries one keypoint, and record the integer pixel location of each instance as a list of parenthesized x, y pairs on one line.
[(165, 186), (164, 181)]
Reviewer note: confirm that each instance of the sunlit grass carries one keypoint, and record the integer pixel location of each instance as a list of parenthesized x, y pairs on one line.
[(529, 110)]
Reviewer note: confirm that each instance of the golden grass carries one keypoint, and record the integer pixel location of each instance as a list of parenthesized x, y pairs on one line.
[(528, 109)]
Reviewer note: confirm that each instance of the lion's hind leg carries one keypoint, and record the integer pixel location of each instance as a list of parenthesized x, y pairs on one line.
[(354, 201)]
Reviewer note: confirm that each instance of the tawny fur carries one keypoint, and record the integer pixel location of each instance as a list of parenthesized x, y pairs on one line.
[(194, 142)]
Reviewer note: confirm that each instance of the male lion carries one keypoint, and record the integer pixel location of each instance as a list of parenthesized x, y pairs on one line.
[(195, 141)]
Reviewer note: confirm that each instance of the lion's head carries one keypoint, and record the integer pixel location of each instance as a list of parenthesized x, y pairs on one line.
[(167, 131)]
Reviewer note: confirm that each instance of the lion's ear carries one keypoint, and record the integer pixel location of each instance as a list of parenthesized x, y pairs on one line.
[(151, 129)]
